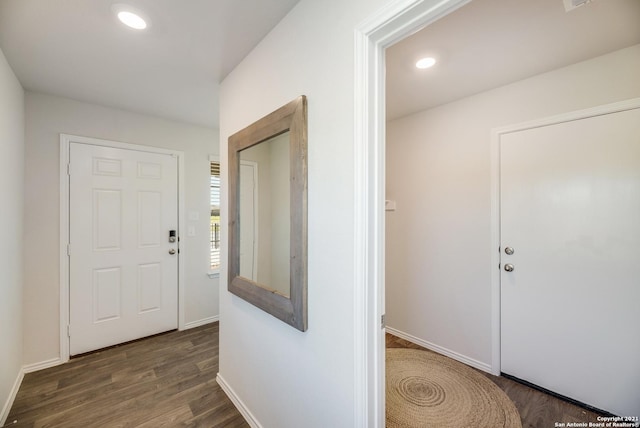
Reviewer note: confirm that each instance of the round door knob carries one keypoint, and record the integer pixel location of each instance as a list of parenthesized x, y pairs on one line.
[(508, 251), (508, 267), (172, 251)]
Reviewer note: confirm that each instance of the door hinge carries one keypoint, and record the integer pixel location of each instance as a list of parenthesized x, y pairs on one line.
[(68, 249), (69, 169), (68, 330), (383, 321)]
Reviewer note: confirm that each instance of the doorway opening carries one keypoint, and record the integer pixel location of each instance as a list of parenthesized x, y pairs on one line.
[(378, 38)]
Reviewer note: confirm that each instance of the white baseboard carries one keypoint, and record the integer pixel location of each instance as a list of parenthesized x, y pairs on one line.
[(29, 368), (440, 350), (203, 321), (16, 386), (12, 396), (244, 411)]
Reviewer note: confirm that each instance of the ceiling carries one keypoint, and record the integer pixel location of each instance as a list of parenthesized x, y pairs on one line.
[(78, 49), (490, 43)]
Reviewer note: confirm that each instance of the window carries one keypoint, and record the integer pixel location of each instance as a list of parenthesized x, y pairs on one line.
[(214, 192)]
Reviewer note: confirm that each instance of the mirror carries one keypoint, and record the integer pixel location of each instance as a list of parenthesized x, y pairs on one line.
[(268, 213)]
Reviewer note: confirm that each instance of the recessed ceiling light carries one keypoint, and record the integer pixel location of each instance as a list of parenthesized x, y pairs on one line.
[(130, 16), (426, 63), (132, 20)]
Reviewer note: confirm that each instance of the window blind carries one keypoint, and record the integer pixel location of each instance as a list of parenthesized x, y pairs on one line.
[(214, 186)]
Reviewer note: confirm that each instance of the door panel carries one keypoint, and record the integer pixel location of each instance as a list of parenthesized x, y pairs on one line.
[(149, 287), (570, 209), (149, 223), (123, 280), (107, 284), (107, 204)]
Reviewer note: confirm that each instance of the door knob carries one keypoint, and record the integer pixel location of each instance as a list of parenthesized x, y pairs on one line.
[(172, 252), (508, 267), (508, 251)]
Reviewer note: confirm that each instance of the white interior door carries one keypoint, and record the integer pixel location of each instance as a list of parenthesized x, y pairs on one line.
[(248, 220), (123, 277), (570, 209)]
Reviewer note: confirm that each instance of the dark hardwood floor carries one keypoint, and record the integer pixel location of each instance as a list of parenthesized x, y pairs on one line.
[(169, 381), (537, 409), (166, 380)]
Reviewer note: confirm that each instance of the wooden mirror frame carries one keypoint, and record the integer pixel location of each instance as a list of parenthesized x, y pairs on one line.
[(291, 117)]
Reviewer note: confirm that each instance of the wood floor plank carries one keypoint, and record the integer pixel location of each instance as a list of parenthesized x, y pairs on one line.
[(206, 402), (170, 419), (169, 380), (166, 380)]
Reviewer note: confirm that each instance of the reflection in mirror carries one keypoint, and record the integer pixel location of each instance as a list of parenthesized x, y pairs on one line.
[(265, 213)]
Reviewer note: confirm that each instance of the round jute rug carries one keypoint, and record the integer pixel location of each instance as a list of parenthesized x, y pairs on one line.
[(425, 389)]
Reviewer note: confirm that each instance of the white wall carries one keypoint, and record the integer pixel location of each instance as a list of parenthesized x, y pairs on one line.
[(48, 116), (284, 377), (438, 283), (11, 251)]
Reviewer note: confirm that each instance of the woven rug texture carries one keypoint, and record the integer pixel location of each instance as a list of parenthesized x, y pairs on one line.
[(425, 389)]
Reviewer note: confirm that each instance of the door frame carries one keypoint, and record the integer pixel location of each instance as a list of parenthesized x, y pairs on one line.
[(65, 142), (390, 24), (496, 135)]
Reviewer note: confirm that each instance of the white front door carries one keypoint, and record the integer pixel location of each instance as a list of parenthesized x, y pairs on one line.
[(570, 210), (123, 272)]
